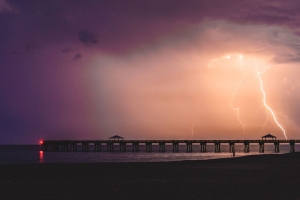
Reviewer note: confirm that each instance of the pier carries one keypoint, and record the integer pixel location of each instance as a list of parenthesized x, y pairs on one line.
[(72, 145)]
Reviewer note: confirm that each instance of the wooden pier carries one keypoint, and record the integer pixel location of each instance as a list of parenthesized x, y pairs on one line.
[(71, 145)]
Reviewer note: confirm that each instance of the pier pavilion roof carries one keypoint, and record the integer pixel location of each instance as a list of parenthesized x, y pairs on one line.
[(268, 136), (116, 137)]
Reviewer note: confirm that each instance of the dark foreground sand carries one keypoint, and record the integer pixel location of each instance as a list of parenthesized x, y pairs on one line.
[(251, 177)]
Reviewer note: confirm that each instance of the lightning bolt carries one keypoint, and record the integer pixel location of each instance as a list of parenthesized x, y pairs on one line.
[(280, 113), (236, 109), (259, 109), (264, 102), (267, 119), (217, 59), (258, 73)]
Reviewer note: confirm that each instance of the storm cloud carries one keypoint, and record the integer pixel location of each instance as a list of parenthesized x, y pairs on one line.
[(92, 69), (132, 23), (87, 37), (77, 56)]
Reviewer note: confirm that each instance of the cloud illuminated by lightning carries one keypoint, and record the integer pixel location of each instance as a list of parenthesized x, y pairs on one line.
[(264, 103), (210, 66), (236, 109)]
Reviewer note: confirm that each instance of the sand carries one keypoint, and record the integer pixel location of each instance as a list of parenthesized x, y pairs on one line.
[(251, 177)]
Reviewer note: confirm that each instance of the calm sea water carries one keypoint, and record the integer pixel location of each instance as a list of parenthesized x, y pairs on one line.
[(22, 154)]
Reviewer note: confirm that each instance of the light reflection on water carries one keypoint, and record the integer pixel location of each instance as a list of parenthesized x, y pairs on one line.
[(41, 156), (20, 154)]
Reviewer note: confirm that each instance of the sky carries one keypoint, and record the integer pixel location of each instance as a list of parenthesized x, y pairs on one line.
[(152, 69)]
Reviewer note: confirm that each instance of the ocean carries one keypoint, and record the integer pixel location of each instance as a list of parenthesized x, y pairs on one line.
[(27, 154)]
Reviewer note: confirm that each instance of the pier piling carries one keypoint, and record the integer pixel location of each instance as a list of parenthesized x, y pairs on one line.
[(261, 147), (97, 146), (246, 147), (148, 146), (276, 147), (175, 146), (202, 147), (231, 147), (73, 146), (189, 147), (64, 146), (110, 146), (292, 146), (135, 147), (162, 146), (85, 146), (217, 147), (122, 146)]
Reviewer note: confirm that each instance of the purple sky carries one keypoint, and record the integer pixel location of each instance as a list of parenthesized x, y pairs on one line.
[(78, 69)]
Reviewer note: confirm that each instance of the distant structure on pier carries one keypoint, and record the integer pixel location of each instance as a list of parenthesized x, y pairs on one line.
[(268, 136), (116, 137)]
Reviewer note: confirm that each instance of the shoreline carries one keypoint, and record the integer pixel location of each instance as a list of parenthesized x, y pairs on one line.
[(272, 176), (237, 156)]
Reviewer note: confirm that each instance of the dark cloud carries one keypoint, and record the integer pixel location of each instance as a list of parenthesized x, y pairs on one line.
[(88, 37), (67, 49), (11, 52), (77, 56), (286, 59), (132, 23)]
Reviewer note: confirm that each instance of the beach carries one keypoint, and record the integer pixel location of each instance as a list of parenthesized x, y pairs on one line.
[(275, 176)]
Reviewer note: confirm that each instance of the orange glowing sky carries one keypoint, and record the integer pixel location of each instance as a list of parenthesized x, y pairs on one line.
[(161, 93)]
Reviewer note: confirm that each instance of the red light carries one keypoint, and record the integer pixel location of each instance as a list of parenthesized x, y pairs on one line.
[(41, 142)]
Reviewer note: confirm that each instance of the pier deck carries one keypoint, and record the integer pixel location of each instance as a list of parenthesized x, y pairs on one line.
[(71, 145)]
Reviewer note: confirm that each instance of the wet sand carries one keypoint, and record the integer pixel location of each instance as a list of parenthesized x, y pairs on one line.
[(251, 177)]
